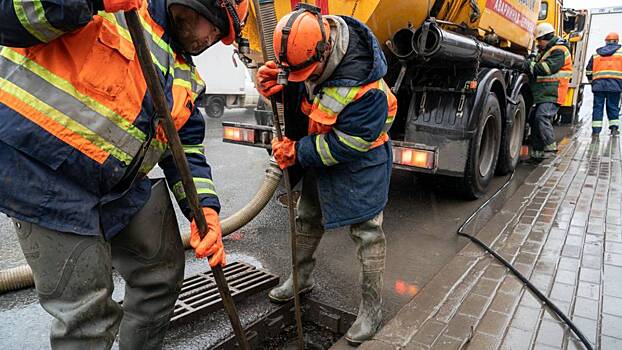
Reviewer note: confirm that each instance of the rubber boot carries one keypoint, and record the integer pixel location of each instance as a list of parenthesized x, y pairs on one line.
[(371, 244), (309, 233), (149, 255), (73, 279), (306, 245)]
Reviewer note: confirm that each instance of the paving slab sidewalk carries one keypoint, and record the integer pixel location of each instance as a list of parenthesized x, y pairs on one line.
[(563, 230)]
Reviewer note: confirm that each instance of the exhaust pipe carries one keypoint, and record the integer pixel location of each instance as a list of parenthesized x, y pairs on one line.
[(430, 42), (21, 276)]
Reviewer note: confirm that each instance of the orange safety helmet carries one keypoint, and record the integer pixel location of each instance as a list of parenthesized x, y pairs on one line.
[(237, 11), (612, 37), (300, 41)]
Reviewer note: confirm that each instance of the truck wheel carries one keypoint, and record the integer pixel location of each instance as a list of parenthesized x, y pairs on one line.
[(484, 150), (215, 107), (512, 139)]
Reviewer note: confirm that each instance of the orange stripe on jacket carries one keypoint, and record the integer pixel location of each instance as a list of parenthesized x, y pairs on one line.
[(77, 141)]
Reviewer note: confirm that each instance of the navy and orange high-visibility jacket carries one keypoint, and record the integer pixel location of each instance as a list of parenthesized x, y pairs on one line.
[(604, 70), (78, 133), (346, 140)]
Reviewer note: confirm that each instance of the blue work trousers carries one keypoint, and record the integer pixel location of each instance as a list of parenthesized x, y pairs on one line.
[(612, 101)]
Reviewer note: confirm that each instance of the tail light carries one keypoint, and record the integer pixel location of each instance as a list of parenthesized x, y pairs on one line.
[(412, 157), (232, 133)]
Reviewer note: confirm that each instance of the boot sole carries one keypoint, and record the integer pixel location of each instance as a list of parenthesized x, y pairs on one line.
[(352, 342), (356, 343), (283, 301)]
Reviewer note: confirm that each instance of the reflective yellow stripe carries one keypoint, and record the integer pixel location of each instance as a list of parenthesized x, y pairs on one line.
[(607, 74), (63, 97), (31, 15), (546, 67), (354, 142), (203, 186), (321, 146), (333, 100), (152, 157), (194, 149), (566, 51), (64, 120), (555, 77), (389, 122), (65, 86), (614, 122), (161, 55)]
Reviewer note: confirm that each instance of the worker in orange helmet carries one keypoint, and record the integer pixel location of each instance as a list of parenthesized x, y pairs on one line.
[(604, 71), (78, 135), (338, 113)]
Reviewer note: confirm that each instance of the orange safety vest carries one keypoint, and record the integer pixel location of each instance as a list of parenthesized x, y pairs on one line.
[(607, 67), (64, 87), (327, 105), (562, 77)]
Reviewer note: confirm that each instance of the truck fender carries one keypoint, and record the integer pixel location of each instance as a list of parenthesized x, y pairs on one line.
[(489, 80), (519, 86)]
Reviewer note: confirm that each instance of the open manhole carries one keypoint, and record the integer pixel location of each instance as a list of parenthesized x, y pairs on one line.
[(323, 325)]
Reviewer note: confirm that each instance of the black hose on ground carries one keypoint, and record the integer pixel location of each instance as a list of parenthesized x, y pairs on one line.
[(517, 273)]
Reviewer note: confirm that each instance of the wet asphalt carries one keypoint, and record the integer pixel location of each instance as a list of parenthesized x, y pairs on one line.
[(420, 224)]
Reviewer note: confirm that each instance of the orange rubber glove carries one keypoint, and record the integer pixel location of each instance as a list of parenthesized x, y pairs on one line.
[(266, 79), (211, 245), (121, 5), (284, 152)]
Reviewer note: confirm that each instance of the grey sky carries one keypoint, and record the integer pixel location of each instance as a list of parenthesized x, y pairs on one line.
[(592, 3)]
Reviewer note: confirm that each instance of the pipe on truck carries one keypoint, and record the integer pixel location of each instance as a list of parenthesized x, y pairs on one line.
[(21, 276), (430, 42)]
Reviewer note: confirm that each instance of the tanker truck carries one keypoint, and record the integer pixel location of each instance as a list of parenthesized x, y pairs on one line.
[(455, 67)]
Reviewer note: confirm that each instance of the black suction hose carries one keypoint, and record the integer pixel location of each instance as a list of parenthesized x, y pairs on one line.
[(517, 273)]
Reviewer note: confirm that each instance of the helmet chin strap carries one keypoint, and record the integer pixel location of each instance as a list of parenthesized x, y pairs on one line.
[(243, 44)]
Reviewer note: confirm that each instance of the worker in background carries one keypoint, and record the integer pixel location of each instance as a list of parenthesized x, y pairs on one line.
[(77, 138), (604, 71), (551, 72), (337, 100)]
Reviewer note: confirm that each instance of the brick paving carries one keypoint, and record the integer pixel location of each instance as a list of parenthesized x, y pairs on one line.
[(563, 230)]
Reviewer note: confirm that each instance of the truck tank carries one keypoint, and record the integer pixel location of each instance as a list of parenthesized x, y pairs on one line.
[(513, 21), (454, 67)]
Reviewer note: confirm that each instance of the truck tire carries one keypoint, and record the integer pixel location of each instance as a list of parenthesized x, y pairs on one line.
[(512, 139), (484, 150), (215, 107)]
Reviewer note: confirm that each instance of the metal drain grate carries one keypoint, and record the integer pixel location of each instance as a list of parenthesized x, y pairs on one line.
[(199, 293)]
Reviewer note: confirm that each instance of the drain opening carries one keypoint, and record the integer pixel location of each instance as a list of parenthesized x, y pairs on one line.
[(323, 325), (199, 293)]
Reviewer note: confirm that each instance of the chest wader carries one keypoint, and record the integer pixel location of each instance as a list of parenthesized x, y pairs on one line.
[(73, 279), (371, 246)]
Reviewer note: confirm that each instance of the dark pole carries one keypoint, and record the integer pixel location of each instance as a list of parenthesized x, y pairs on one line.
[(159, 100), (268, 52), (292, 231)]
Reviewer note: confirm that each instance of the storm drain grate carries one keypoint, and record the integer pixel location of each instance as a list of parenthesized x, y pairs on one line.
[(199, 293)]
